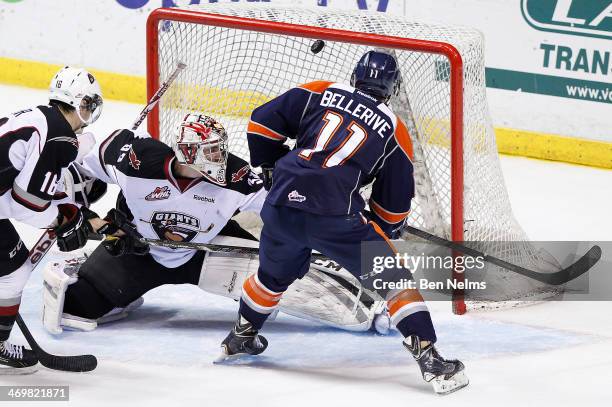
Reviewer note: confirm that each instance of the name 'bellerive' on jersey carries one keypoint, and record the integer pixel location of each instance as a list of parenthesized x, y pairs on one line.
[(164, 206), (345, 139), (36, 146)]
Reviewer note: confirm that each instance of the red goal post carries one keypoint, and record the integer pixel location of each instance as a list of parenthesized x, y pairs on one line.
[(158, 16)]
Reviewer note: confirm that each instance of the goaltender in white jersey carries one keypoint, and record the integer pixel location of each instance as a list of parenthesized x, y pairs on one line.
[(166, 200), (188, 194)]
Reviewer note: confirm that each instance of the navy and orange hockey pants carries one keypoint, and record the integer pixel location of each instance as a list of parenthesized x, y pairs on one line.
[(287, 239)]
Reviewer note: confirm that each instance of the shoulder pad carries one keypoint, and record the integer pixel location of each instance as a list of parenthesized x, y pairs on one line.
[(241, 177), (135, 156)]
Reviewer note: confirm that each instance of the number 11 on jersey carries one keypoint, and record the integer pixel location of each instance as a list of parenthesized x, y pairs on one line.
[(349, 146)]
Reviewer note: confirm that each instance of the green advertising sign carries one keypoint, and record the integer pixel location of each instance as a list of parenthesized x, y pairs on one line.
[(591, 18)]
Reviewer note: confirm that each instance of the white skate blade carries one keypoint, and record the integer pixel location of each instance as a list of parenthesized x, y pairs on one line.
[(226, 359), (17, 371), (446, 386)]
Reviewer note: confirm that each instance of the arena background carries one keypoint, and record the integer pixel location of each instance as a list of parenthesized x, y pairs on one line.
[(548, 62)]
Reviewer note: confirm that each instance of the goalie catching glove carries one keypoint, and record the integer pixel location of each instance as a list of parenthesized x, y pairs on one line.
[(129, 242)]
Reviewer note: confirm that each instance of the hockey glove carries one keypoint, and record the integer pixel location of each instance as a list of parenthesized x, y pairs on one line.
[(73, 229), (82, 189), (392, 231), (120, 245), (267, 176)]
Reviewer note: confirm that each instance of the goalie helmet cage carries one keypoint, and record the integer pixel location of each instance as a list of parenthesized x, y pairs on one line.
[(241, 55)]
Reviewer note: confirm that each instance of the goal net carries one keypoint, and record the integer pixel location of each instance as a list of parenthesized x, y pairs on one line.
[(241, 55)]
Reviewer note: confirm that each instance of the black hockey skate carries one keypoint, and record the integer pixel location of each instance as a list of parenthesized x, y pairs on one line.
[(15, 359), (446, 376), (242, 340)]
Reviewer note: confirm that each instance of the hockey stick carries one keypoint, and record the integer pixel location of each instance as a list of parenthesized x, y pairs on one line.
[(78, 363), (160, 92), (575, 270), (563, 276), (211, 247)]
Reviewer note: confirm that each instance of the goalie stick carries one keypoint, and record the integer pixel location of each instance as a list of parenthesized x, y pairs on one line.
[(211, 247), (79, 363), (575, 270)]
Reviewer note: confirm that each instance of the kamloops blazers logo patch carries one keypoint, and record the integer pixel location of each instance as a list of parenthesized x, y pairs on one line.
[(175, 226), (238, 175), (158, 194), (294, 196)]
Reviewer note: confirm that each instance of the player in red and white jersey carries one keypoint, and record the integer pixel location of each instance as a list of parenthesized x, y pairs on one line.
[(36, 146)]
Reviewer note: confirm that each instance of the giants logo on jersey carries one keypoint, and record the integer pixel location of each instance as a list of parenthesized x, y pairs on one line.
[(158, 194), (175, 226)]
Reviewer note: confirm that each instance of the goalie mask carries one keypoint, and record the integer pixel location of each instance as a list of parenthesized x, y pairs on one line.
[(202, 145), (78, 88)]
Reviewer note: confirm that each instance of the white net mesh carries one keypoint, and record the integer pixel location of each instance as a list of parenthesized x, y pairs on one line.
[(230, 71)]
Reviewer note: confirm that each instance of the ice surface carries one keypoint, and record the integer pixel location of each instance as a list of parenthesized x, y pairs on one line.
[(550, 354)]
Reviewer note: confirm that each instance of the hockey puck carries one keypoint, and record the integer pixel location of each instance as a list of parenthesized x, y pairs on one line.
[(317, 46)]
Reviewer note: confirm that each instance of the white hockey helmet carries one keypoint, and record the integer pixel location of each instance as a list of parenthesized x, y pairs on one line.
[(201, 144), (78, 88)]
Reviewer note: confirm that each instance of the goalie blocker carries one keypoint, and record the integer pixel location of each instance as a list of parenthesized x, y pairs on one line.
[(84, 291)]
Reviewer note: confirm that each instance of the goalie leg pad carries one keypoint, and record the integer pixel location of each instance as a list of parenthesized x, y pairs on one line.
[(327, 294), (57, 277), (224, 275)]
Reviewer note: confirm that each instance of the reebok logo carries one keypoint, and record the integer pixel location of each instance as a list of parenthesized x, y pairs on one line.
[(204, 199), (372, 98)]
